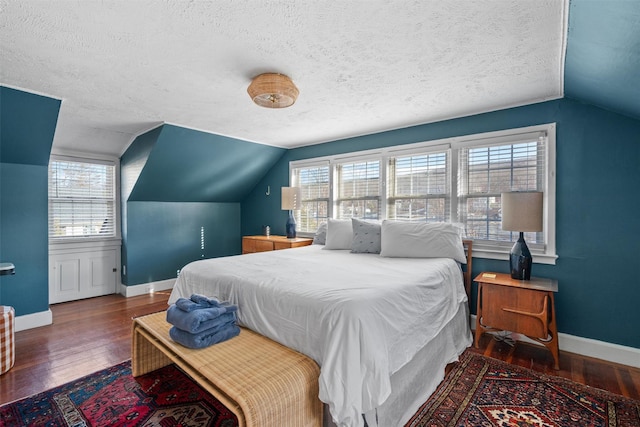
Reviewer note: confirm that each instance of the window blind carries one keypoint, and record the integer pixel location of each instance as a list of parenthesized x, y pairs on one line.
[(314, 185), (81, 199), (486, 171), (419, 187), (358, 189)]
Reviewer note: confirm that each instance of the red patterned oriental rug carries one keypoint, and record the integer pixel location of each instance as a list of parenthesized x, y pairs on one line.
[(478, 391), (481, 391), (112, 397)]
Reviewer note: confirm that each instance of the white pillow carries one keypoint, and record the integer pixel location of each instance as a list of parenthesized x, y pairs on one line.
[(421, 240), (339, 234)]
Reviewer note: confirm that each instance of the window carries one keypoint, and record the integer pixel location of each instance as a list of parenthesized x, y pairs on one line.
[(456, 179), (485, 171), (358, 189), (313, 181), (419, 187), (82, 199)]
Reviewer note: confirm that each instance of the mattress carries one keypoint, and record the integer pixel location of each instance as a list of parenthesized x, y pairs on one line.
[(361, 317)]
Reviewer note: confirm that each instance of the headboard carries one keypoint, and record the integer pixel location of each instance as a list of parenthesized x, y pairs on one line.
[(466, 274)]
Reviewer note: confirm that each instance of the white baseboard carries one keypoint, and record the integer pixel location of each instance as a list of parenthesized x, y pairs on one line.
[(146, 288), (33, 320), (610, 352)]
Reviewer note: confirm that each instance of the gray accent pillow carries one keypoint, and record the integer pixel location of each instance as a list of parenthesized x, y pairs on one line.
[(366, 236), (320, 237)]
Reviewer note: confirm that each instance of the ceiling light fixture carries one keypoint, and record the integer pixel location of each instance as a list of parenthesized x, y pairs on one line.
[(273, 90)]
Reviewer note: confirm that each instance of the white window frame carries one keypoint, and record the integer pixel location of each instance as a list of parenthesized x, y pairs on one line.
[(91, 241), (333, 170), (481, 249), (421, 149), (311, 165)]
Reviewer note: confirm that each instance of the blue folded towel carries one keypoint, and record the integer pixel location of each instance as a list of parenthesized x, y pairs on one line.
[(197, 302), (204, 338), (200, 320)]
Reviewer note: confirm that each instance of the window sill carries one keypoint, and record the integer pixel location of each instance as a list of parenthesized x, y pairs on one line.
[(503, 255), (79, 243)]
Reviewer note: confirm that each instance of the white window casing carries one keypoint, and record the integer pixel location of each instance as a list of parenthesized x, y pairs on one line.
[(83, 200), (457, 179)]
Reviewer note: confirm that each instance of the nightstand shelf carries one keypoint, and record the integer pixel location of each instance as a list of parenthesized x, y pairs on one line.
[(252, 244), (522, 306)]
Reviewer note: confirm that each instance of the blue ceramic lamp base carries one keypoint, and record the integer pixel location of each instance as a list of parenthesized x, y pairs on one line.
[(291, 226), (520, 260)]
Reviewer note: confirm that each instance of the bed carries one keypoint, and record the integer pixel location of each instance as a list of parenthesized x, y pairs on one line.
[(381, 327)]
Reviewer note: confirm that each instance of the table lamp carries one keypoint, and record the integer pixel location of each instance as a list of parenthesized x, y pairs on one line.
[(291, 202), (521, 212)]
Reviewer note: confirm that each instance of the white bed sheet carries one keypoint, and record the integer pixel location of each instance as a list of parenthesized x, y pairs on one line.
[(362, 317)]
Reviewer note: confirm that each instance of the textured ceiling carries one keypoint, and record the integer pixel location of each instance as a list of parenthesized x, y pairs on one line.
[(122, 67)]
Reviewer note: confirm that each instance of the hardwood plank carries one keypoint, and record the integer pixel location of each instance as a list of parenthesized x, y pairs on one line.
[(85, 336), (93, 334)]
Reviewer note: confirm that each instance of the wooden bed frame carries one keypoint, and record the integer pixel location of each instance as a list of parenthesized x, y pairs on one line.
[(468, 271)]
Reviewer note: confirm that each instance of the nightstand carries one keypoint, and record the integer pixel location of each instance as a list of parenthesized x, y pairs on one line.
[(251, 244), (522, 306)]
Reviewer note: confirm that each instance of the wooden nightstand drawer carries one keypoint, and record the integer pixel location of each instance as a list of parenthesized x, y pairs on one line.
[(513, 309)]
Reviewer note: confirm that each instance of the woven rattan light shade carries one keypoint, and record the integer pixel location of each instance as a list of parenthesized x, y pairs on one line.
[(273, 90)]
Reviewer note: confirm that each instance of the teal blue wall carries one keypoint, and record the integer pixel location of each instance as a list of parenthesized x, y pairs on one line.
[(165, 236), (598, 177), (175, 181), (27, 126)]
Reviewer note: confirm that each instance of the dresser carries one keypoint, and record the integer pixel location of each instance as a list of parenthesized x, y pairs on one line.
[(251, 244)]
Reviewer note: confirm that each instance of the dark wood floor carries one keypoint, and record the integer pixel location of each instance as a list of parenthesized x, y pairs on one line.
[(85, 336), (93, 334)]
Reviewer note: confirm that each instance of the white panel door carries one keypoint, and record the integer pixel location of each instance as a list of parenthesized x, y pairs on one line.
[(101, 274), (79, 275), (64, 279)]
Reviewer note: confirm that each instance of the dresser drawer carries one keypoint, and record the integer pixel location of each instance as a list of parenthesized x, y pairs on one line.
[(252, 244), (291, 244), (263, 246)]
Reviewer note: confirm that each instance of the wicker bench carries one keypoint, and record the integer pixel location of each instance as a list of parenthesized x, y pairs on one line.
[(262, 382)]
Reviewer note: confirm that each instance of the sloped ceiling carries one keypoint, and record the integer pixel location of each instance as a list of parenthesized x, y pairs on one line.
[(122, 67), (174, 164), (27, 127), (603, 54)]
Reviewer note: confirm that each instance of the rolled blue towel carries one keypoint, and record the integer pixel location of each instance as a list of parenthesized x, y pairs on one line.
[(197, 302), (200, 320), (204, 338)]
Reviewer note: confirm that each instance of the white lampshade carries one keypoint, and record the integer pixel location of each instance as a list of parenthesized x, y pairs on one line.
[(290, 198), (522, 211)]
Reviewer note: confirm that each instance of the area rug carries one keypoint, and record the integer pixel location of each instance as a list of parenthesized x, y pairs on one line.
[(480, 391), (113, 397)]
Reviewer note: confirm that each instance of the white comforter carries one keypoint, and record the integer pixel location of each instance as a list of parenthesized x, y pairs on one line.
[(360, 316)]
